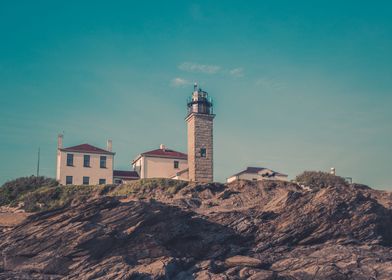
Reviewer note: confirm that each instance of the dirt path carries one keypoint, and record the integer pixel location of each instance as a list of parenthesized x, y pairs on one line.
[(12, 219)]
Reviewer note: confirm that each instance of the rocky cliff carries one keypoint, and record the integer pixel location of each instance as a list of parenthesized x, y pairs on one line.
[(245, 230)]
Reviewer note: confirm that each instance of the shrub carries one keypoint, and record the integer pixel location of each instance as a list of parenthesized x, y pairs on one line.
[(40, 199), (11, 191), (319, 180)]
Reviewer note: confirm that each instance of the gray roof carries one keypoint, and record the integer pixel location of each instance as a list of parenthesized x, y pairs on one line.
[(255, 170)]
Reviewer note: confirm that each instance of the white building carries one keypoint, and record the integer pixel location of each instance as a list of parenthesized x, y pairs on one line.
[(84, 164), (161, 163), (257, 174)]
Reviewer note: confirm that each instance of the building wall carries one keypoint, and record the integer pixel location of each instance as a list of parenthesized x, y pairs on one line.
[(184, 176), (244, 176), (200, 135), (78, 171), (121, 180), (138, 167), (276, 177), (256, 176), (231, 179), (280, 178), (58, 166), (157, 167)]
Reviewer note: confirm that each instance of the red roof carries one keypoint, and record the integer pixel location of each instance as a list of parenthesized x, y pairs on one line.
[(165, 153), (125, 174), (86, 148)]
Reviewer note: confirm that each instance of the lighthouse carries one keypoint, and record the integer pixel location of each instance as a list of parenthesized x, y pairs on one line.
[(200, 136)]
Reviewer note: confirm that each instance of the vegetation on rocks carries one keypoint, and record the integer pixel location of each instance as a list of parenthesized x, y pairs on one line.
[(243, 230), (12, 191), (49, 198), (320, 180), (41, 194)]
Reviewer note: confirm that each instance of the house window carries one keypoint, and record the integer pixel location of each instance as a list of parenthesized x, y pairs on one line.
[(86, 161), (69, 159), (102, 162), (176, 164), (102, 181), (86, 180), (203, 152), (117, 181), (68, 180)]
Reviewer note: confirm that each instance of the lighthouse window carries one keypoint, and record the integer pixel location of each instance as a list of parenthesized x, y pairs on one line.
[(203, 152)]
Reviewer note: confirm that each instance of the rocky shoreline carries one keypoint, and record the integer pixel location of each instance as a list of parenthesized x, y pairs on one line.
[(246, 230)]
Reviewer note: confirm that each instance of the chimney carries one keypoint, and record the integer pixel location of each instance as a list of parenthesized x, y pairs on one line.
[(333, 171), (60, 141), (162, 147), (109, 145)]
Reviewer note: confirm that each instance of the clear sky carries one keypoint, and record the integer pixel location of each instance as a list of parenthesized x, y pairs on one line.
[(297, 85)]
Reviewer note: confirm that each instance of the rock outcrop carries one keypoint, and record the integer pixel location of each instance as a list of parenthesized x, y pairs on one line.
[(245, 230)]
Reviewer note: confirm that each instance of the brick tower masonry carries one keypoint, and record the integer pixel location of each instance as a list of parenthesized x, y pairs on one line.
[(200, 136)]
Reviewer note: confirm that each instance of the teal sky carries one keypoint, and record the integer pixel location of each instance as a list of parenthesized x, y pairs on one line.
[(298, 85)]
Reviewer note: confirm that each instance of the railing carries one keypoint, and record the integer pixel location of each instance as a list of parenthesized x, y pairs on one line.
[(200, 110)]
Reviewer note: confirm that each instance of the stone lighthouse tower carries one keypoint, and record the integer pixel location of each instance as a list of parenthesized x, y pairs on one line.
[(200, 138)]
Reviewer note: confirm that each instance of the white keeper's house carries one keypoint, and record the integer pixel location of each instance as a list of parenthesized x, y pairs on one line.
[(84, 164)]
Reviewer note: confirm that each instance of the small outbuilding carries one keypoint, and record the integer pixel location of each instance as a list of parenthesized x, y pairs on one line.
[(122, 176), (257, 174)]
